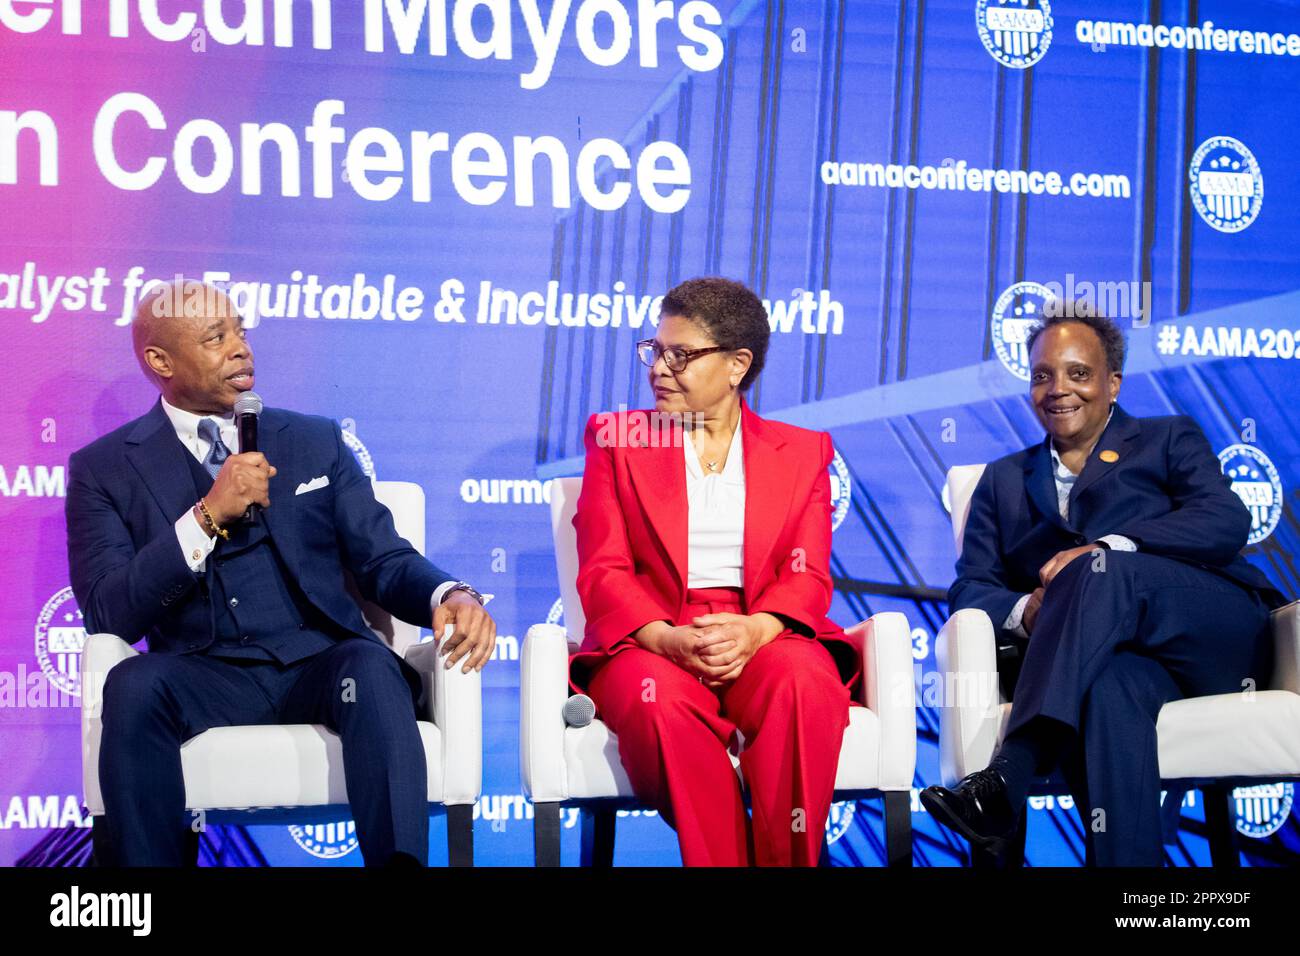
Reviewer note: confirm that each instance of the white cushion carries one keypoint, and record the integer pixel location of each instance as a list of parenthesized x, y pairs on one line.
[(960, 488), (591, 760), (1228, 735), (564, 505), (275, 765), (859, 767), (595, 770)]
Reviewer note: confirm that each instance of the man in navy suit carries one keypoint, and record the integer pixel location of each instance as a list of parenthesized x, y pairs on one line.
[(247, 621), (1110, 553)]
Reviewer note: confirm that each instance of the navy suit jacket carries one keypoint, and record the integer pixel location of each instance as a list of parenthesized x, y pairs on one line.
[(1166, 491), (127, 489)]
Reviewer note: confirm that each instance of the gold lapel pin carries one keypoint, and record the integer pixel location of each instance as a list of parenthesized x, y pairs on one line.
[(1108, 456)]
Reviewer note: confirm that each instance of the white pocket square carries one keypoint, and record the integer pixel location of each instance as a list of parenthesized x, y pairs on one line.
[(312, 485)]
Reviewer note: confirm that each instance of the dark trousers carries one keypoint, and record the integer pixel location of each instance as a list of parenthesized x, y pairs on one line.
[(1118, 636), (155, 702)]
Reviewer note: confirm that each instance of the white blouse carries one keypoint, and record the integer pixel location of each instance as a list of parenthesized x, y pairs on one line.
[(716, 522)]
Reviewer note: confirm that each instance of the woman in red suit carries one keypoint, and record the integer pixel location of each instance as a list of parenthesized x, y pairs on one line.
[(704, 538)]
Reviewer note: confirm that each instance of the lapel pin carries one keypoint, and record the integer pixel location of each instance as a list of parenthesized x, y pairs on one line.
[(1108, 456)]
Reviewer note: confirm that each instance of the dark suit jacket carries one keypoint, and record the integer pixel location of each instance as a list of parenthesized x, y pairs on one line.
[(127, 489), (1166, 491)]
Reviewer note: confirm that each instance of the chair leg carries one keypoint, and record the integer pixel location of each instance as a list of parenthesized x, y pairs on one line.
[(546, 834), (1220, 827), (982, 859), (460, 834), (101, 845), (898, 828), (191, 847), (1012, 855), (598, 837)]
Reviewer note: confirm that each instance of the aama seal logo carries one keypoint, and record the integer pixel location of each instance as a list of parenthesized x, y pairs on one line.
[(1015, 314), (60, 635), (839, 820), (841, 490), (1016, 33), (1226, 184), (1256, 482), (358, 449), (326, 841), (556, 614), (1262, 810)]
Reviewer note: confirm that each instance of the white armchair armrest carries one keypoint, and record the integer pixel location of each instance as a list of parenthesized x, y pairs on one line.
[(543, 689), (99, 654), (888, 688), (1285, 623), (966, 654), (453, 701)]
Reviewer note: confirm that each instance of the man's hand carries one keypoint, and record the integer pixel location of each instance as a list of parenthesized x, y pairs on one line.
[(728, 641), (473, 635), (1030, 613), (242, 481), (1058, 561)]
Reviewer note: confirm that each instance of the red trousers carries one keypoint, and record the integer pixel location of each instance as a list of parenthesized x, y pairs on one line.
[(673, 734)]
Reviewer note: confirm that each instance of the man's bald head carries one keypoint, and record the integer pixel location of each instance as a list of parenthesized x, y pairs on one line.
[(189, 340), (171, 307)]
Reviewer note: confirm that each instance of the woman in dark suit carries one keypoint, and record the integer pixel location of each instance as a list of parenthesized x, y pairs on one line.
[(704, 539)]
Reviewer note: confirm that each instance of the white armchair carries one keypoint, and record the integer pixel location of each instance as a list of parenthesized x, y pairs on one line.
[(293, 773), (580, 766), (1210, 743)]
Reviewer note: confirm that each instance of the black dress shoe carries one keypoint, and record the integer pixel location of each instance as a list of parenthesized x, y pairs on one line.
[(977, 808)]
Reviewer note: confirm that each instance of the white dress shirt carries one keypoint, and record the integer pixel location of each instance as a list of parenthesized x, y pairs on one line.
[(1065, 480), (716, 518), (194, 541)]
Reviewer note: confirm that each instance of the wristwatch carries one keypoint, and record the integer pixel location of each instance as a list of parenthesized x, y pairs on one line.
[(468, 589)]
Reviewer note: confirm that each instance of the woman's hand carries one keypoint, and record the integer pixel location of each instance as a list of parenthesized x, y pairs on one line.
[(728, 641), (683, 646)]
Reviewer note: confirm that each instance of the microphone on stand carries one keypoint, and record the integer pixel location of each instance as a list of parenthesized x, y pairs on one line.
[(247, 407)]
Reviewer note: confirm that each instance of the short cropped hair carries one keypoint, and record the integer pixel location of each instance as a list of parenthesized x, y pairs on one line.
[(729, 312), (1058, 313)]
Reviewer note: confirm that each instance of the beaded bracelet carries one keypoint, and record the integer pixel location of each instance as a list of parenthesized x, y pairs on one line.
[(213, 527)]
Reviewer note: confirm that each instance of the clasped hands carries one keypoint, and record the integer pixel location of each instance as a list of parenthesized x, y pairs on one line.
[(713, 647), (1046, 574)]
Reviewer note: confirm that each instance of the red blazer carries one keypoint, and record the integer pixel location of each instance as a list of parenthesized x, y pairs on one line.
[(631, 523)]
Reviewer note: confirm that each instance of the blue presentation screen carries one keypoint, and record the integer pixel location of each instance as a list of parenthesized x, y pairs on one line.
[(446, 224)]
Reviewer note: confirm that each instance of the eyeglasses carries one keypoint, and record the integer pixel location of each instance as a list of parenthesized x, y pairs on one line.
[(648, 350)]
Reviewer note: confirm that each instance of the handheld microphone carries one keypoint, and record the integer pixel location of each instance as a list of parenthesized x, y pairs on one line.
[(247, 407), (579, 710)]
